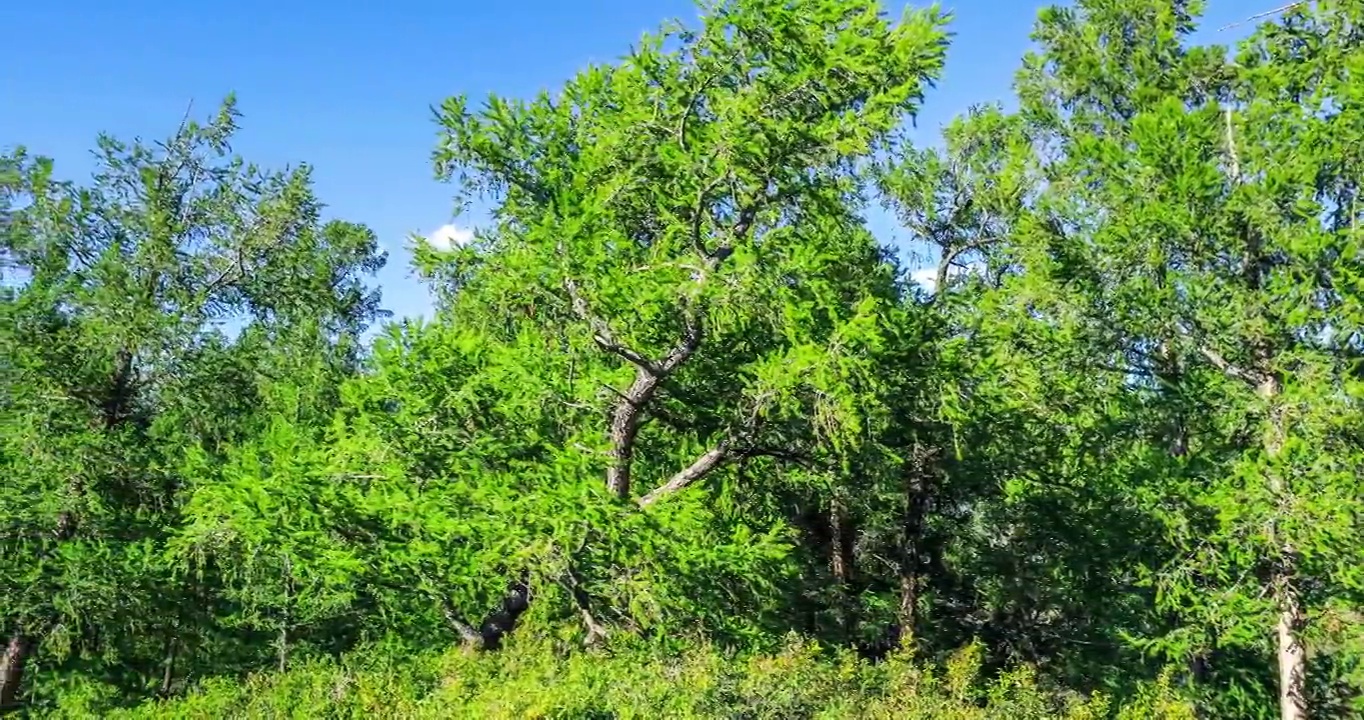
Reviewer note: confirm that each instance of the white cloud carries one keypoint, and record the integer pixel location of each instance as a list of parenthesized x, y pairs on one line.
[(927, 277), (448, 237)]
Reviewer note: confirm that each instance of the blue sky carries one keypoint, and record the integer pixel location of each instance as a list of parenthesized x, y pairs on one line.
[(346, 86)]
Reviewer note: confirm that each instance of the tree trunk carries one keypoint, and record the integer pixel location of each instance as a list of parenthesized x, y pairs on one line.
[(12, 668), (916, 489), (1292, 657), (168, 669), (625, 422), (842, 539)]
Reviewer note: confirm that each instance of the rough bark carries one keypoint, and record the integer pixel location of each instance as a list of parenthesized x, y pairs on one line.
[(168, 667), (626, 419), (689, 475), (842, 547), (12, 668), (1292, 657), (918, 486), (630, 409), (910, 560)]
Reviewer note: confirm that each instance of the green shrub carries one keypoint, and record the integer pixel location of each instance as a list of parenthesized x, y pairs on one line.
[(534, 679)]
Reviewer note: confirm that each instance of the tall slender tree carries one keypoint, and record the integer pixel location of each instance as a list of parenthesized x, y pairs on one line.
[(1200, 209)]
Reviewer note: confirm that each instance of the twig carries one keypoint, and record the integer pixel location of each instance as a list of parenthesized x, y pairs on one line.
[(601, 331), (184, 121), (1265, 14)]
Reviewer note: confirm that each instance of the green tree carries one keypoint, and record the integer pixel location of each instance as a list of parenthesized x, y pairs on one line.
[(675, 243), (118, 362), (1018, 526), (1199, 211)]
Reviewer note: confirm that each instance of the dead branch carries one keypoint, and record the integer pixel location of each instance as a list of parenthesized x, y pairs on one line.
[(1231, 149), (596, 633), (710, 461), (464, 630), (688, 475), (1265, 14), (1231, 370)]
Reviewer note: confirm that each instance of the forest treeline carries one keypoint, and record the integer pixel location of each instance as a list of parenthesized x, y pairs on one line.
[(682, 438)]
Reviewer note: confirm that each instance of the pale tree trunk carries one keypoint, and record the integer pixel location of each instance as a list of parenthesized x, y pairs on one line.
[(1292, 658)]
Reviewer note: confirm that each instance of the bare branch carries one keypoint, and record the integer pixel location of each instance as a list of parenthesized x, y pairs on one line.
[(687, 476), (1231, 370), (698, 212), (791, 456), (692, 333), (744, 222), (1216, 358), (949, 258), (596, 633), (709, 462), (691, 108), (1231, 149), (1265, 14), (464, 630)]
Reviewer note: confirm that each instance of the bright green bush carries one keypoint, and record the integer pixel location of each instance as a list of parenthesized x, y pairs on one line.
[(532, 679)]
